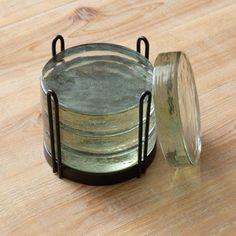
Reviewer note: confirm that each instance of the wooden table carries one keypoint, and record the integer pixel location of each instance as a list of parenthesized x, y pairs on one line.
[(166, 201)]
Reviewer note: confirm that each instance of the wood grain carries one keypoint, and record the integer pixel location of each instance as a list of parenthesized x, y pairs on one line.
[(166, 201)]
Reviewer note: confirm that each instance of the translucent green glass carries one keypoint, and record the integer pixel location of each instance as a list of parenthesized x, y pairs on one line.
[(177, 109)]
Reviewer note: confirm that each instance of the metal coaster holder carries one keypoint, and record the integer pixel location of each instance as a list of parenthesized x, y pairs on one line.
[(55, 160)]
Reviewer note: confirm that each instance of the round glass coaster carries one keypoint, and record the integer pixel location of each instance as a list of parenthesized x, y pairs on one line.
[(177, 109), (98, 86), (100, 144), (101, 163)]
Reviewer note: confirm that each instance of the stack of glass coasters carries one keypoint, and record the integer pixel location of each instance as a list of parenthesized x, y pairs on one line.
[(98, 88)]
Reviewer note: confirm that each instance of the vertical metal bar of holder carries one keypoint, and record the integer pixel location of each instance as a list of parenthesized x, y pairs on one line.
[(52, 95), (138, 45), (54, 43), (56, 166), (142, 154)]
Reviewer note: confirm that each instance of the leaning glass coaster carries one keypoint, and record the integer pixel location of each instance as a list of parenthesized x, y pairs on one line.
[(98, 88), (177, 109)]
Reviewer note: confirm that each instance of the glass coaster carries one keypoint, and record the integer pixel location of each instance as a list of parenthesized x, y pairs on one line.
[(100, 144), (177, 109), (98, 86), (101, 163)]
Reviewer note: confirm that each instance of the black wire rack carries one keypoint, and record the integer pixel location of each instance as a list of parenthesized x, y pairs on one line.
[(54, 158)]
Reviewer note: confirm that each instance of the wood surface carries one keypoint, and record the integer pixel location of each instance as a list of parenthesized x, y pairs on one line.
[(190, 201)]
